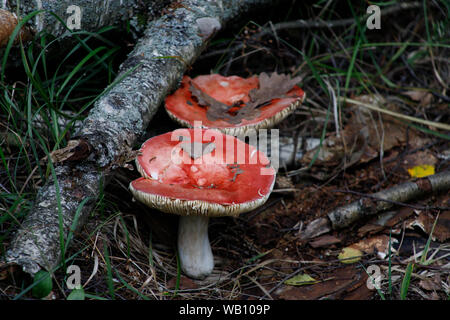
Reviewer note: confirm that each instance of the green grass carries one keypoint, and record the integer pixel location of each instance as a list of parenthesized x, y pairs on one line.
[(109, 279), (39, 106), (406, 281), (58, 90)]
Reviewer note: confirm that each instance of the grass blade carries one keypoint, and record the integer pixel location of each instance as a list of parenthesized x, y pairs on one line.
[(406, 281), (109, 279)]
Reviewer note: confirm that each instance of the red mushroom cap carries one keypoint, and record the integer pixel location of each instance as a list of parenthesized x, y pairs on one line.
[(183, 107), (228, 178)]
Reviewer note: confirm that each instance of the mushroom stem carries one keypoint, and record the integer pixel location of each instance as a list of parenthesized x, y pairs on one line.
[(195, 252)]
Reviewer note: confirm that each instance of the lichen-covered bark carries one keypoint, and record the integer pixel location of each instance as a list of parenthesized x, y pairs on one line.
[(94, 14), (37, 242), (346, 215), (169, 45)]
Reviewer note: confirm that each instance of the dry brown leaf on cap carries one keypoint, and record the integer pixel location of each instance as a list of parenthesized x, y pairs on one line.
[(216, 109), (7, 24), (429, 285), (273, 86), (385, 130)]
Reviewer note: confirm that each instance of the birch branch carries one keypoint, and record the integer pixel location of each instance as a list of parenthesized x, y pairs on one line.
[(344, 216), (169, 45)]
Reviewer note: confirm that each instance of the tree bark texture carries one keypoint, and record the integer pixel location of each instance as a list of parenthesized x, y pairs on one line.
[(170, 44), (93, 14)]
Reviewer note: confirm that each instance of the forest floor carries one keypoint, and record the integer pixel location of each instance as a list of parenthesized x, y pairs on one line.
[(128, 251)]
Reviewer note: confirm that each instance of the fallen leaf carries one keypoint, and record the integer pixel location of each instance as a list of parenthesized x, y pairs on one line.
[(315, 228), (271, 87), (75, 150), (428, 285), (423, 97), (324, 241), (350, 255), (185, 283), (385, 220), (364, 136), (301, 280), (421, 171), (425, 222), (216, 109), (379, 244), (7, 26)]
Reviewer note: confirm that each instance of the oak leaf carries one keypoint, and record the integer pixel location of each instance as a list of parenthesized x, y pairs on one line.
[(274, 86)]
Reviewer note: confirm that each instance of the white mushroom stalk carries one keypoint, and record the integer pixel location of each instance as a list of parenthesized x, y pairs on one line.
[(194, 249)]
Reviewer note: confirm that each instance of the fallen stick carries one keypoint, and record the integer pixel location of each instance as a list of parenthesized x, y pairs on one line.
[(438, 125), (168, 47), (344, 216)]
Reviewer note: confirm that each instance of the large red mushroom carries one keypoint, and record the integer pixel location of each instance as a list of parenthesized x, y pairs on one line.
[(233, 104), (198, 174)]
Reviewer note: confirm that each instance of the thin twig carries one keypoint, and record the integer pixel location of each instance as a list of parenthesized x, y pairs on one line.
[(397, 203), (311, 24), (438, 125), (344, 216)]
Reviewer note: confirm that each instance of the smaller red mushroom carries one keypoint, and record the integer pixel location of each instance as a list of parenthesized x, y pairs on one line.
[(233, 104), (195, 173)]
